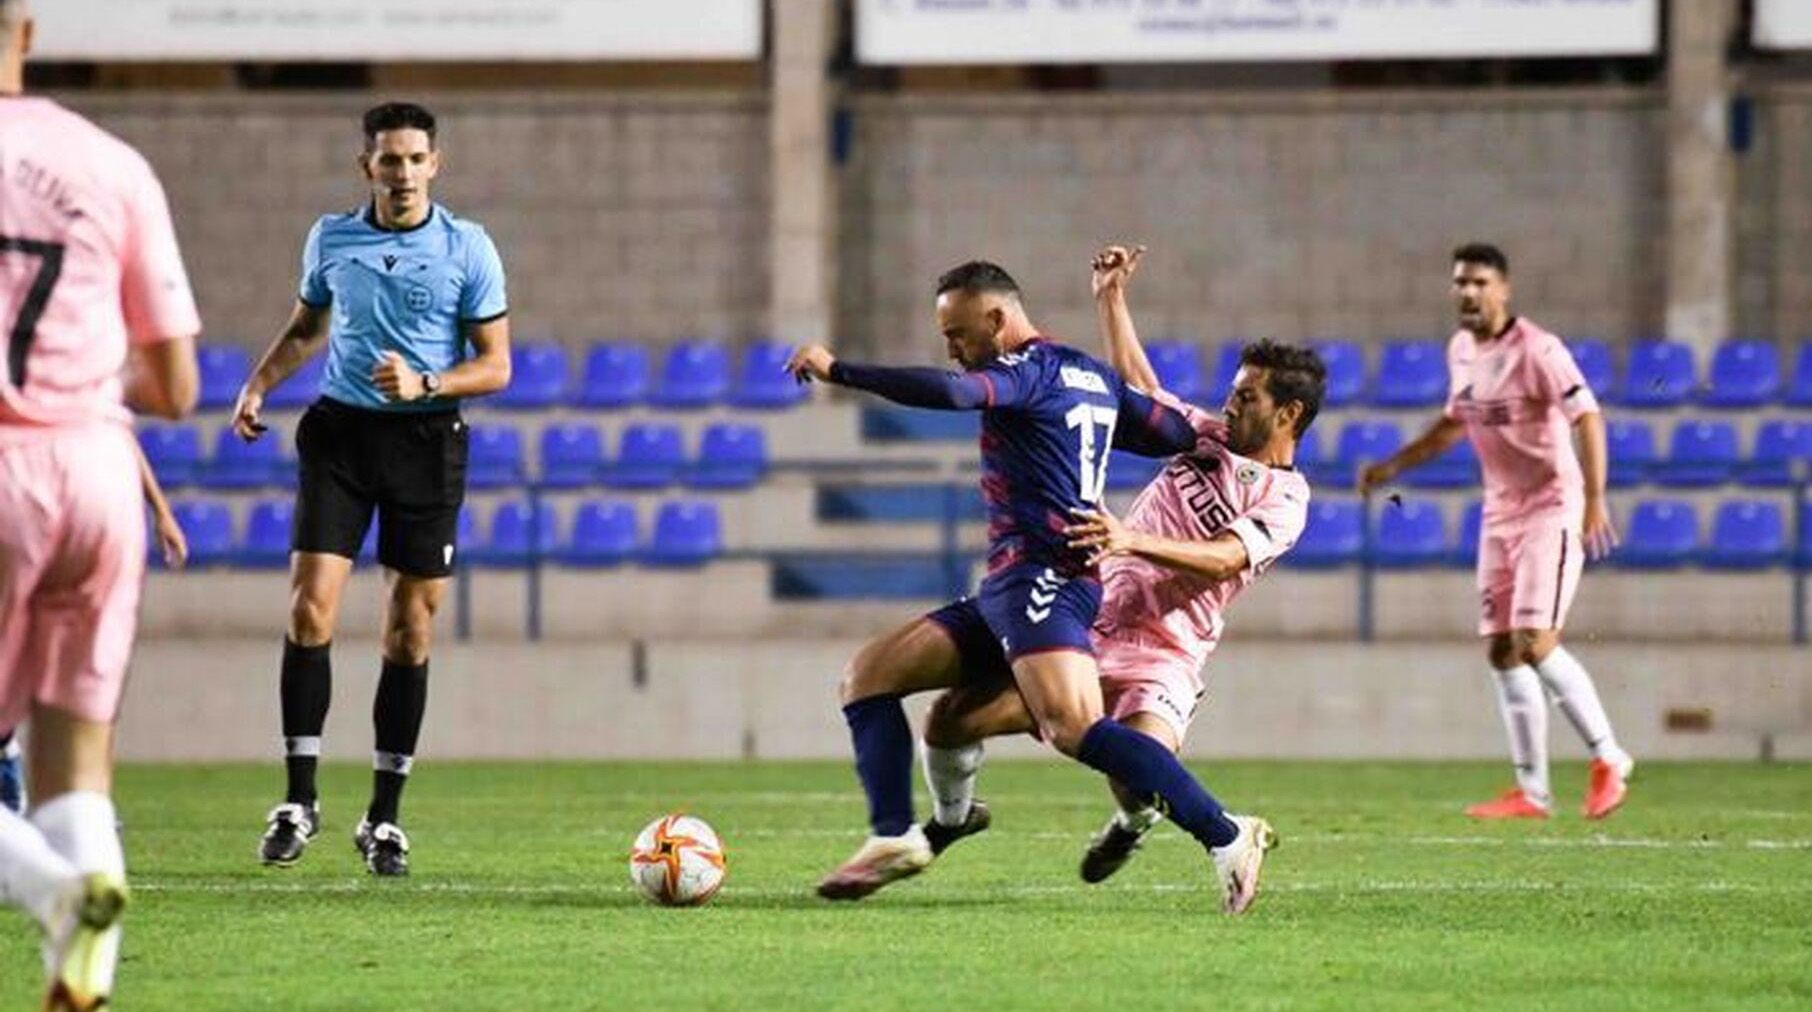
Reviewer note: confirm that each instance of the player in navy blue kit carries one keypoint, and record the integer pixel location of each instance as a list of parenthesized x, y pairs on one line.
[(1050, 414)]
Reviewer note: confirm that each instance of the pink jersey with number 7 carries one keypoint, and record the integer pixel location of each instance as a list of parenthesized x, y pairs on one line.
[(88, 265)]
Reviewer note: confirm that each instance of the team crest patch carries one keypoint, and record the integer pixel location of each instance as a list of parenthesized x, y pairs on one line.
[(1247, 473), (418, 298)]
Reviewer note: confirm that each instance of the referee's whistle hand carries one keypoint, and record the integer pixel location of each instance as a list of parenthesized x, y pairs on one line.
[(395, 380), (246, 410)]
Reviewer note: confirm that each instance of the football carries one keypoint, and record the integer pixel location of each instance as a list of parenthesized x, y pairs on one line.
[(678, 861)]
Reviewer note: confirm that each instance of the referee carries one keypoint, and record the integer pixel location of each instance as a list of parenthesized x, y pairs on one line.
[(397, 290)]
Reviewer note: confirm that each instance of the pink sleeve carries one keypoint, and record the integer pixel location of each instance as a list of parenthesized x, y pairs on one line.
[(155, 293), (1206, 426), (1557, 379), (1271, 527)]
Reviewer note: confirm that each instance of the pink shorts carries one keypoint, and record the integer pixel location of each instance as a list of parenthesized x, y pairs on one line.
[(1136, 678), (1528, 573), (72, 559)]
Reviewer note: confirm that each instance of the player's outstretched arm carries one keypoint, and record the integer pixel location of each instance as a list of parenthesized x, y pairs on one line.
[(304, 334), (1435, 440), (1097, 530), (913, 386), (1150, 429), (1113, 267)]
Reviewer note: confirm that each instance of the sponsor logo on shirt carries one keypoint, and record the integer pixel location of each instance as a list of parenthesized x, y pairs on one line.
[(1082, 379)]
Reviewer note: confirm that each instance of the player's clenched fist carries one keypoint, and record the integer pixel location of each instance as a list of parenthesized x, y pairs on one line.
[(811, 362), (1113, 267), (246, 411), (395, 380)]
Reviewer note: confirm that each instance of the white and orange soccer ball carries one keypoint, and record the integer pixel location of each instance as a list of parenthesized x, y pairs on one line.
[(678, 861)]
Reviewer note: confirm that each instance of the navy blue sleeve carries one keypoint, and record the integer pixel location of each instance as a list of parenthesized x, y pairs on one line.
[(1150, 429), (917, 386)]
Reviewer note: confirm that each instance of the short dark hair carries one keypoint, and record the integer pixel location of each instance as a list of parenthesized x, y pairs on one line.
[(977, 276), (397, 116), (1484, 254), (1293, 372)]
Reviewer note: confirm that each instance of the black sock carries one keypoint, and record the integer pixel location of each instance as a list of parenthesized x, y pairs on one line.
[(402, 697), (306, 688)]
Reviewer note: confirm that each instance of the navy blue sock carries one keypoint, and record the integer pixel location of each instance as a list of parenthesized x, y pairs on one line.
[(883, 741), (1141, 763)]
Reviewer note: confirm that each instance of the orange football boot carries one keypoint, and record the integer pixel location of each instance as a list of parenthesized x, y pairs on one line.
[(1512, 804), (1607, 789)]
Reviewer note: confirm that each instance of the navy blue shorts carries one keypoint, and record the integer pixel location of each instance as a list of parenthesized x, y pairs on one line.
[(1021, 610)]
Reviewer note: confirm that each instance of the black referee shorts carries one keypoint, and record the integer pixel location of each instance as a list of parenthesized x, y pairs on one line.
[(408, 466)]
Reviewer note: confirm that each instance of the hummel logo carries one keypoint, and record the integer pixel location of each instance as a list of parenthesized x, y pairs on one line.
[(1037, 615), (389, 262), (1043, 599)]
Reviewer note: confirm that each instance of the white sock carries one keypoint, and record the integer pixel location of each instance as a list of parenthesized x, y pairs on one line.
[(33, 876), (1577, 697), (83, 827), (1525, 710), (10, 750), (1139, 822), (950, 773)]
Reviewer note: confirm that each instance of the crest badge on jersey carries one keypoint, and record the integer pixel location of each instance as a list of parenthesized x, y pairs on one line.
[(1247, 473), (418, 298)]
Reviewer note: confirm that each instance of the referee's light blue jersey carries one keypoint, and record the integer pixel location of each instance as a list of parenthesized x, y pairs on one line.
[(410, 292)]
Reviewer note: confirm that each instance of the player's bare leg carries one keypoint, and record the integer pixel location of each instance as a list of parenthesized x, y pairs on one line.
[(1574, 692), (916, 657), (317, 582), (402, 699), (1062, 690), (1110, 849), (71, 771)]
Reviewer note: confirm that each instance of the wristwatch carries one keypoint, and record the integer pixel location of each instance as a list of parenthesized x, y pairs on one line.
[(430, 384)]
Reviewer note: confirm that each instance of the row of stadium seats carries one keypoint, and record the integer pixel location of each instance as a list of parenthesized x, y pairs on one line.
[(731, 455), (600, 532), (1412, 374), (734, 455), (1659, 533), (691, 374), (1409, 374)]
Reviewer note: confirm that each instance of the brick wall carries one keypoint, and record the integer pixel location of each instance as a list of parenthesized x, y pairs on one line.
[(617, 215), (1290, 216)]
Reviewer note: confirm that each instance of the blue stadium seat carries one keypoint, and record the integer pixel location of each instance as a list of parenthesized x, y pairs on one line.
[(1631, 445), (208, 526), (1411, 374), (1799, 386), (1226, 367), (265, 544), (603, 534), (1308, 450), (1129, 470), (494, 457), (1660, 375), (572, 455), (1457, 468), (695, 374), (1465, 552), (519, 531), (302, 387), (1361, 441), (1178, 365), (1783, 454), (1332, 537), (1744, 374), (239, 464), (1746, 534), (1663, 533), (687, 532), (224, 368), (616, 376), (174, 452), (1346, 372), (1598, 366), (1414, 534), (731, 455), (762, 381), (649, 455), (1701, 453), (538, 377)]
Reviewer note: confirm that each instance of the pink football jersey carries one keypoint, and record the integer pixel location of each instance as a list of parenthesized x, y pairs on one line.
[(88, 263), (1518, 396), (1196, 497)]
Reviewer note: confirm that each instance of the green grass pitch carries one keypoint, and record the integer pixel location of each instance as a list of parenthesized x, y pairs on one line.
[(1697, 895)]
